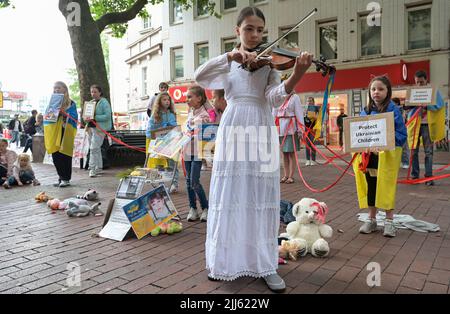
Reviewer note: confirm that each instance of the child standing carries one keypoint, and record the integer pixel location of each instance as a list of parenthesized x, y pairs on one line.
[(310, 122), (289, 115), (198, 114), (163, 116), (244, 217), (377, 184), (22, 173)]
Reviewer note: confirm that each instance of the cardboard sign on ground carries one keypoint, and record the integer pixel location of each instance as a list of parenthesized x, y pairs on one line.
[(375, 131), (420, 96), (116, 225)]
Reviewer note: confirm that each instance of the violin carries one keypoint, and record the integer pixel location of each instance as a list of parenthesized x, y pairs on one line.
[(283, 59)]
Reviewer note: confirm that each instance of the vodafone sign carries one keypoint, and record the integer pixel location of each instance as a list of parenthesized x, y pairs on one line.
[(179, 93)]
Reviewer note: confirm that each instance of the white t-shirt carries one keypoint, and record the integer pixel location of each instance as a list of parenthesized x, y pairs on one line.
[(16, 126)]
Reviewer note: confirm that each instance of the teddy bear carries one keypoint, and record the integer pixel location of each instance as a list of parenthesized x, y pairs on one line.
[(309, 229), (75, 210), (90, 195), (42, 198)]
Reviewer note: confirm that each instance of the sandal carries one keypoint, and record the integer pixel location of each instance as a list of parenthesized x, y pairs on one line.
[(290, 181), (284, 179)]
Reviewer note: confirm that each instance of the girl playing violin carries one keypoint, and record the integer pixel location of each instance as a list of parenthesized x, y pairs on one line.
[(244, 197)]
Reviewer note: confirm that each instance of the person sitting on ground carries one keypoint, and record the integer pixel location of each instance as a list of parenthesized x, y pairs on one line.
[(23, 173), (7, 159)]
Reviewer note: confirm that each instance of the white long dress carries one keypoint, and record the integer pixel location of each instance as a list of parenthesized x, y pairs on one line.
[(244, 198)]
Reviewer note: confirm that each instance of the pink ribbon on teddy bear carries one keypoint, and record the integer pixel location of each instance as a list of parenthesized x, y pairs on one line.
[(321, 211)]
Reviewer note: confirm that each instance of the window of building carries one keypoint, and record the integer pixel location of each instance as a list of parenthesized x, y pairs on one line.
[(144, 82), (176, 12), (328, 40), (201, 53), (228, 44), (256, 2), (146, 22), (290, 41), (229, 4), (201, 8), (419, 27), (370, 40), (177, 63)]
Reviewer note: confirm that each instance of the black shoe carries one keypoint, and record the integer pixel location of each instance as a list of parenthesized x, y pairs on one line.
[(414, 178)]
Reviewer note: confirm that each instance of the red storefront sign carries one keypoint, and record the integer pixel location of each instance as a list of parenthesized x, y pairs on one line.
[(400, 74), (179, 93), (14, 96)]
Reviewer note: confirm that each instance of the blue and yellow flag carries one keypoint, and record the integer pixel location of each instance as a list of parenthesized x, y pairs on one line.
[(322, 118)]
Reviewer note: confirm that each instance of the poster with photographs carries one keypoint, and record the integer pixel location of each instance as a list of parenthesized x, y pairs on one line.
[(149, 211), (89, 110), (169, 145), (52, 111), (130, 187)]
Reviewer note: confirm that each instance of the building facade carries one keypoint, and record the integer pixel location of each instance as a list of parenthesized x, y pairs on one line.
[(362, 38)]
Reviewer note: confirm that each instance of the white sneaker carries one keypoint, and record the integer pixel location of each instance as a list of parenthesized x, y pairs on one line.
[(313, 163), (204, 217), (308, 163), (275, 283), (389, 229), (405, 166), (368, 227), (193, 215), (64, 184), (92, 173)]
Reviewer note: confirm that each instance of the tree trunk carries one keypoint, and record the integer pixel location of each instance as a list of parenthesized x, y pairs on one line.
[(87, 50)]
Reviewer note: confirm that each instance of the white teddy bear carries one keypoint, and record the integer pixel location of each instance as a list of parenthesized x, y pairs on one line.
[(309, 229)]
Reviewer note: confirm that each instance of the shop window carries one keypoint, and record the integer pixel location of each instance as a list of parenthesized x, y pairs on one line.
[(290, 41), (177, 63)]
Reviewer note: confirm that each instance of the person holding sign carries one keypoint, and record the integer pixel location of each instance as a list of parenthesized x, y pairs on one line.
[(103, 119), (376, 171), (427, 123), (60, 129), (163, 116)]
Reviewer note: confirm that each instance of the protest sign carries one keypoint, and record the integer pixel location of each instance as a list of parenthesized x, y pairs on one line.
[(420, 96), (52, 111), (374, 131), (116, 225)]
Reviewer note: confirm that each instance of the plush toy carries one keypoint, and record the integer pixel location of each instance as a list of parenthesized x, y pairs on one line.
[(290, 250), (42, 198), (90, 195), (169, 228), (55, 204), (75, 210), (309, 229), (79, 202)]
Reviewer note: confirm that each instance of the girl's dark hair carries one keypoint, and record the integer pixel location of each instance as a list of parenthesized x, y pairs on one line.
[(250, 11), (383, 106), (97, 87)]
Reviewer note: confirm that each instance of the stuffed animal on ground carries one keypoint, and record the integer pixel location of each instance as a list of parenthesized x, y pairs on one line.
[(42, 198), (75, 210), (55, 204), (169, 228), (290, 250), (90, 195), (309, 229)]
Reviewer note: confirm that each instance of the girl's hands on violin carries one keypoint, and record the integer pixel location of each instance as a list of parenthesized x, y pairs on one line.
[(302, 64), (241, 56)]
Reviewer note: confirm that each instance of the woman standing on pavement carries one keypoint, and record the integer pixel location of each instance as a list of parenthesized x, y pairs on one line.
[(60, 136), (103, 120)]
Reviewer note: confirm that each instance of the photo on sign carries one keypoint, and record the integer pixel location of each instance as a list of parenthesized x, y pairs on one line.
[(374, 131), (149, 211), (52, 111), (421, 96), (89, 110), (130, 187)]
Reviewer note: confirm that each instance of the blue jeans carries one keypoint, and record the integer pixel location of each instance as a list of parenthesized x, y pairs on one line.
[(405, 154), (15, 137), (310, 151), (424, 133), (174, 166), (194, 187), (25, 177)]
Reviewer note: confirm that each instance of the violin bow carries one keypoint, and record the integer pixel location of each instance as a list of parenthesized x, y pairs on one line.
[(274, 43)]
